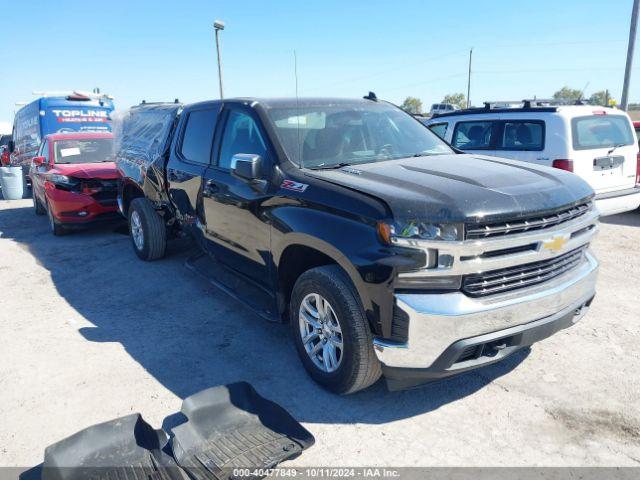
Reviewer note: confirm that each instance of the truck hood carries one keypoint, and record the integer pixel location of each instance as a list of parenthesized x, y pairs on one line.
[(461, 188), (102, 171)]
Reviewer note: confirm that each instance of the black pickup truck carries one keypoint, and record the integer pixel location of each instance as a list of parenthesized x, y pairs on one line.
[(387, 252)]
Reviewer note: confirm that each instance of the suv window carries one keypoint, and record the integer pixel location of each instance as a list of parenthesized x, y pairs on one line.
[(198, 136), (600, 131), (439, 129), (472, 135), (241, 135), (522, 135)]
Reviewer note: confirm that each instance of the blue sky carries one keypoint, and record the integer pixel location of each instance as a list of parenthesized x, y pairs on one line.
[(160, 50)]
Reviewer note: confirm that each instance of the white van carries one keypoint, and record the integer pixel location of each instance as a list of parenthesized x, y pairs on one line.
[(597, 143), (438, 108)]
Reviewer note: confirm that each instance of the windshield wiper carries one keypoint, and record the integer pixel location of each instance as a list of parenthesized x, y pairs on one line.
[(331, 166), (615, 147)]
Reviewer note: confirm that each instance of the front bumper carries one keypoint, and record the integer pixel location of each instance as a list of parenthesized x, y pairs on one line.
[(619, 201), (444, 328), (72, 208)]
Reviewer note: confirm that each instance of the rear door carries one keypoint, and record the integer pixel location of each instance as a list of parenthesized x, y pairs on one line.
[(605, 151), (476, 135), (190, 157), (236, 232), (521, 139)]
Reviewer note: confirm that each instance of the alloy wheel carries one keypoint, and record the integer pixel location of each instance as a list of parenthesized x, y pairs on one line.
[(136, 230), (320, 332)]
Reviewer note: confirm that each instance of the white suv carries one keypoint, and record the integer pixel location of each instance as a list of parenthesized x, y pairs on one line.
[(597, 143)]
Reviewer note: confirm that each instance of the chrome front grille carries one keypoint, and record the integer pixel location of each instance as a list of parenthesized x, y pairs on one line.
[(488, 230), (521, 276)]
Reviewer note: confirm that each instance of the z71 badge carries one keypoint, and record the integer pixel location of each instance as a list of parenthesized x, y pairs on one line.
[(295, 186)]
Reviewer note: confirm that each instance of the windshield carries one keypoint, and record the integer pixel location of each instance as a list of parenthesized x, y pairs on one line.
[(601, 131), (84, 151), (327, 136)]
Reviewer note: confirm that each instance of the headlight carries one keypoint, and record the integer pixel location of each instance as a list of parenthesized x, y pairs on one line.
[(417, 230), (63, 181)]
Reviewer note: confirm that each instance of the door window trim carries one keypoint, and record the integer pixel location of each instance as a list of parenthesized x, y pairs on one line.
[(183, 129)]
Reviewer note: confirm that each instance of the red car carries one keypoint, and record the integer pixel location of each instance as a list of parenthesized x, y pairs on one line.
[(636, 126), (75, 180)]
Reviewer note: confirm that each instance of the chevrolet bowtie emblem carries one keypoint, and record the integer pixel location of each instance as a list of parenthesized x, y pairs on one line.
[(555, 244)]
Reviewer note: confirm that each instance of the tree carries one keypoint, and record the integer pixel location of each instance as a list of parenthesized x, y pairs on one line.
[(601, 98), (567, 94), (412, 105), (456, 99)]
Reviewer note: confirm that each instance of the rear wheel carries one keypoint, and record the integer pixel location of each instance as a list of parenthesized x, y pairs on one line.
[(331, 333), (37, 206), (147, 230)]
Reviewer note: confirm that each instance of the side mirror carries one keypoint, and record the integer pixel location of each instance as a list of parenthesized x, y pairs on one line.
[(246, 166), (38, 161)]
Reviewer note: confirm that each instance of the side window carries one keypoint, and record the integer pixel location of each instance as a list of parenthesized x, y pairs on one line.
[(522, 135), (198, 136), (439, 129), (241, 135), (473, 135), (44, 151)]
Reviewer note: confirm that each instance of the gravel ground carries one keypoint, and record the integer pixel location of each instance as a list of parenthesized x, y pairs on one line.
[(89, 333)]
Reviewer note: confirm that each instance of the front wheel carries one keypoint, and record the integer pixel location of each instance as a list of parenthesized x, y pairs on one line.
[(37, 206), (56, 228), (147, 230), (330, 331)]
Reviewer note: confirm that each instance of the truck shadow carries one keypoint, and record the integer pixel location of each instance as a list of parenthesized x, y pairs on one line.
[(628, 219), (190, 336)]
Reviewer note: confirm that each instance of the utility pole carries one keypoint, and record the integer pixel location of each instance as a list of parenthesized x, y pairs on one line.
[(632, 42), (469, 79), (218, 25)]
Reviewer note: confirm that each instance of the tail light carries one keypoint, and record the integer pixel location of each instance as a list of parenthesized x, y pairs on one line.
[(5, 159), (563, 164), (638, 169)]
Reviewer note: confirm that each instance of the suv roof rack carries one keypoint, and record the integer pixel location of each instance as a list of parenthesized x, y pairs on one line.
[(74, 94), (526, 105), (144, 102)]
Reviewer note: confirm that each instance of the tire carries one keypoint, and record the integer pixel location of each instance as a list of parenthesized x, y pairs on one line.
[(358, 366), (37, 206), (145, 221), (56, 228)]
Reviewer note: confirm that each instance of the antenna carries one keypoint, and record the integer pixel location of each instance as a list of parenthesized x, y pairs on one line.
[(582, 92), (295, 73)]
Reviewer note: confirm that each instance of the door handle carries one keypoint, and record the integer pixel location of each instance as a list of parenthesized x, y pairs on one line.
[(210, 188), (178, 175)]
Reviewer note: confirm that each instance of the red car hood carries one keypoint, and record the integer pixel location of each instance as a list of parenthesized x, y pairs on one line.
[(103, 170)]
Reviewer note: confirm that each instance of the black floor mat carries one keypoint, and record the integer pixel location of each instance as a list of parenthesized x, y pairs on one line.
[(232, 426), (124, 448), (226, 427)]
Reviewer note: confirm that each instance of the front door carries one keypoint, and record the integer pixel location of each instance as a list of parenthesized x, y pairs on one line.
[(236, 229), (189, 159)]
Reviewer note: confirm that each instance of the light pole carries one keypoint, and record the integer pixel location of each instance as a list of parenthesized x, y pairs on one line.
[(218, 25), (469, 80), (632, 41)]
